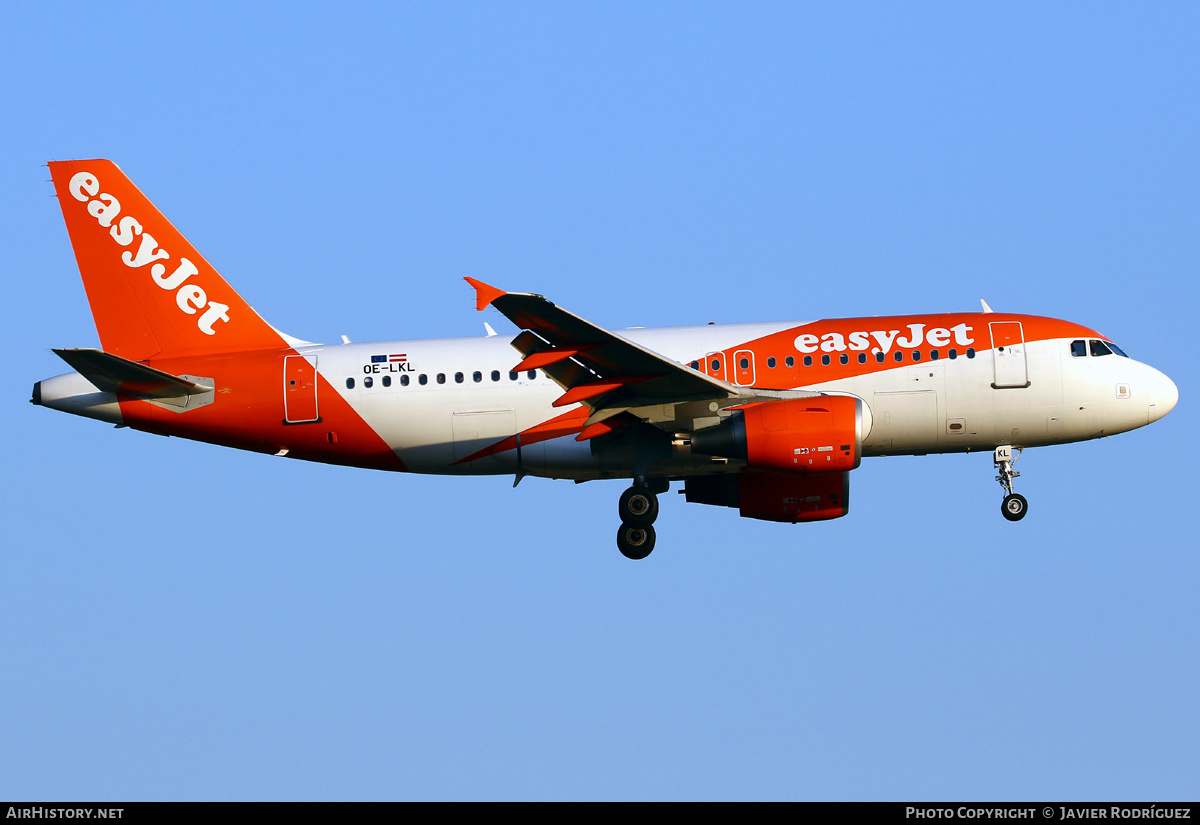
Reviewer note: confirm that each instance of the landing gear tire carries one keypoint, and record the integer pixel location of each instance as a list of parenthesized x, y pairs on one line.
[(638, 507), (635, 542), (1014, 507)]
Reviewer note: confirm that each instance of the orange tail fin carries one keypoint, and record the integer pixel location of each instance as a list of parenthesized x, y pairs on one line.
[(150, 291)]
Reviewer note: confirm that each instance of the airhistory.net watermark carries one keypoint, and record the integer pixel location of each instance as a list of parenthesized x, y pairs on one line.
[(43, 812)]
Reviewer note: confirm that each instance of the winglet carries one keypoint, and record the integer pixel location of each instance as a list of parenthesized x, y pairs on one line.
[(484, 293)]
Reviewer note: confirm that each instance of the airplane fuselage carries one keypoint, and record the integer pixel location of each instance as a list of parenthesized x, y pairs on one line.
[(449, 405)]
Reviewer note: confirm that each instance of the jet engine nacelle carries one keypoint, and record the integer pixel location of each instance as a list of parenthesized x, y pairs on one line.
[(775, 496), (823, 434)]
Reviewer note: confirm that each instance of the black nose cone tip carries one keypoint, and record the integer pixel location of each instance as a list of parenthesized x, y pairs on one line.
[(37, 394)]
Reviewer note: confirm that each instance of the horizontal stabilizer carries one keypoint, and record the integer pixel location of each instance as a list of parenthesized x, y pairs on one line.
[(112, 373)]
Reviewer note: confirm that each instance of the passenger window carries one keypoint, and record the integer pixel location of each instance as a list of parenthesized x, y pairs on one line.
[(953, 353), (1099, 348), (844, 358), (695, 365), (862, 358), (477, 376), (744, 363), (458, 378), (824, 360), (789, 361), (970, 352), (422, 379), (512, 375), (899, 356), (715, 365), (808, 360), (367, 382), (1079, 349), (404, 380), (441, 378), (879, 358), (933, 355), (916, 355), (387, 380), (495, 375), (349, 383), (532, 374), (771, 362)]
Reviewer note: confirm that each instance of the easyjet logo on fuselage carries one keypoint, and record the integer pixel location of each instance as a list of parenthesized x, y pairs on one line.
[(883, 339), (105, 208)]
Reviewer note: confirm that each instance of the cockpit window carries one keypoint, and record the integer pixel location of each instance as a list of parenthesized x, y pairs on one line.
[(1117, 349), (1099, 348), (1079, 349)]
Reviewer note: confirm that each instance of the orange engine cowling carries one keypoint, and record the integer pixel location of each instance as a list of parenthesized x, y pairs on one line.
[(822, 434), (775, 496)]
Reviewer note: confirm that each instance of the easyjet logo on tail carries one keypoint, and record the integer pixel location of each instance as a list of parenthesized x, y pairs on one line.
[(190, 298)]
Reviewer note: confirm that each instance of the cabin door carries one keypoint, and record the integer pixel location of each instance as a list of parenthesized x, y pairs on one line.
[(1008, 354), (299, 390)]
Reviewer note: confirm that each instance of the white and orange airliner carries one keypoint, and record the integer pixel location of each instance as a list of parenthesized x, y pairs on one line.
[(769, 418)]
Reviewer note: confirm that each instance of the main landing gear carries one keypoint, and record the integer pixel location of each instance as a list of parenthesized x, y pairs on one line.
[(638, 509), (1014, 507)]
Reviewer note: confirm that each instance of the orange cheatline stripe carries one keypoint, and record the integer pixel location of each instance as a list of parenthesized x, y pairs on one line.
[(782, 344)]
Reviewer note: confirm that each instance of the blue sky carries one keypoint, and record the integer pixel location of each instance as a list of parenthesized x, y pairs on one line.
[(179, 621)]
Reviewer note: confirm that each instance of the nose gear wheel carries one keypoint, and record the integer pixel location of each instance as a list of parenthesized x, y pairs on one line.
[(1014, 507)]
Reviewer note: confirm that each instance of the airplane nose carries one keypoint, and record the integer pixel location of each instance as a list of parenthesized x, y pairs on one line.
[(1162, 397)]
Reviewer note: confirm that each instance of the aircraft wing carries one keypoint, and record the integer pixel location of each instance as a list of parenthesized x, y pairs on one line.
[(601, 369)]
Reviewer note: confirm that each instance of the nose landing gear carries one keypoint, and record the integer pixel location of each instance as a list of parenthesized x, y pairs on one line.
[(1014, 507), (638, 509)]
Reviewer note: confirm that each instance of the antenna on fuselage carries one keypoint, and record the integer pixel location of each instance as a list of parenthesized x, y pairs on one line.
[(986, 308)]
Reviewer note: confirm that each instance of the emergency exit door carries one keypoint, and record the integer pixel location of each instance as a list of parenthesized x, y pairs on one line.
[(714, 365), (743, 368)]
